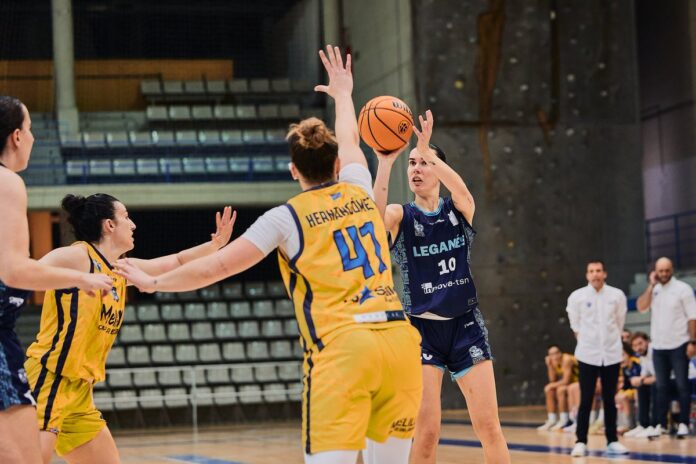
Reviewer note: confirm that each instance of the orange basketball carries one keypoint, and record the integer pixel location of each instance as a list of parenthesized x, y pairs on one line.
[(385, 123)]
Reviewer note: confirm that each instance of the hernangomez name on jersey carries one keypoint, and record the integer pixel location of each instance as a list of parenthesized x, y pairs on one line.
[(433, 250)]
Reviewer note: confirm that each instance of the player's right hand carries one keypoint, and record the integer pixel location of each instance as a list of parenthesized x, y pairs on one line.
[(93, 283)]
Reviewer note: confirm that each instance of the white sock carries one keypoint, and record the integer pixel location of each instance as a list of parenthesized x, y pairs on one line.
[(564, 418), (600, 416), (392, 451), (593, 416), (552, 417)]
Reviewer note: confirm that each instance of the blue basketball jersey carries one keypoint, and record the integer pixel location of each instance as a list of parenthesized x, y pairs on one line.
[(11, 302), (433, 250)]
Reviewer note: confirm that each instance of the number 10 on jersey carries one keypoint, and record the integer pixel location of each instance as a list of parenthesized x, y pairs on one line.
[(447, 266)]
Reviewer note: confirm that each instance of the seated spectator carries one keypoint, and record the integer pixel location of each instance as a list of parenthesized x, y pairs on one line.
[(626, 396), (645, 386), (626, 336), (562, 369)]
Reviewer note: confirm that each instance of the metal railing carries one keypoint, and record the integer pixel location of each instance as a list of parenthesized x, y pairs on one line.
[(673, 236), (194, 396)]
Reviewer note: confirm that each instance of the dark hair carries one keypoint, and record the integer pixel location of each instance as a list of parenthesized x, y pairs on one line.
[(439, 152), (627, 349), (86, 214), (597, 261), (11, 118), (313, 149), (553, 345), (642, 335)]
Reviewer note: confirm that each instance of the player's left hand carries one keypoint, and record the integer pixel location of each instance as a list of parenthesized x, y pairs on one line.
[(224, 224), (134, 275)]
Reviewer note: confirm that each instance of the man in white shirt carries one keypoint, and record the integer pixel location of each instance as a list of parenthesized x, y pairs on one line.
[(673, 333), (597, 314)]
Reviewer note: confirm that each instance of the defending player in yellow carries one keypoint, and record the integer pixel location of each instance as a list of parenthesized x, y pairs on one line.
[(77, 328), (362, 374)]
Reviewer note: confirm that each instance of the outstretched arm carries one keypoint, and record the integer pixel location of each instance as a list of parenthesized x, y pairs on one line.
[(17, 269), (340, 88), (391, 214), (224, 225), (461, 196), (237, 257)]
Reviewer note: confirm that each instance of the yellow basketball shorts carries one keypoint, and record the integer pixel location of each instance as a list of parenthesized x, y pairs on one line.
[(64, 407), (364, 383)]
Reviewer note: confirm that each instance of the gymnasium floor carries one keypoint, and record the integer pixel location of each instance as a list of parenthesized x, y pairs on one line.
[(280, 443)]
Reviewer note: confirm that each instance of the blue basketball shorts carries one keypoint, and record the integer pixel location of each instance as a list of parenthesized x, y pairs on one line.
[(454, 344), (14, 386)]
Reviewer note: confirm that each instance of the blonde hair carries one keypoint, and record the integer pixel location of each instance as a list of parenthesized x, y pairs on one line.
[(313, 149)]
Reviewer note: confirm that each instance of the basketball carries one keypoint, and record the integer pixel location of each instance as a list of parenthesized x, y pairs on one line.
[(385, 123)]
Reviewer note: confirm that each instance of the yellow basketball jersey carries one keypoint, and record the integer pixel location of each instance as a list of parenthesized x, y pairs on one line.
[(341, 275), (77, 330)]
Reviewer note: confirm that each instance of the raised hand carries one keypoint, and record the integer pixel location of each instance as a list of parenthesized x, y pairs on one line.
[(340, 76), (423, 135), (224, 225), (145, 282)]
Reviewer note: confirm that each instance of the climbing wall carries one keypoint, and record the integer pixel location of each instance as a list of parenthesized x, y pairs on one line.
[(536, 104)]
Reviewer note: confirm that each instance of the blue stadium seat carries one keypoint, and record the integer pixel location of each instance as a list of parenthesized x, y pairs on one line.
[(193, 165), (140, 138), (263, 164), (163, 138), (71, 140), (147, 166), (231, 137), (76, 168), (94, 139), (239, 164), (281, 164), (100, 167), (124, 167), (217, 165), (170, 166)]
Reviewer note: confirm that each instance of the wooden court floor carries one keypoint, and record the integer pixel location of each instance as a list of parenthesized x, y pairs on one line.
[(279, 442)]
